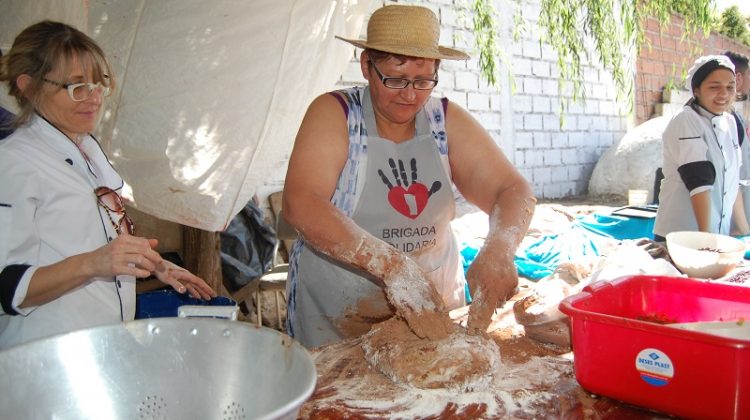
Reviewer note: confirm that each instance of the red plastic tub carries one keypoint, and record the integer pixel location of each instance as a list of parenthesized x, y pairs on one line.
[(622, 354)]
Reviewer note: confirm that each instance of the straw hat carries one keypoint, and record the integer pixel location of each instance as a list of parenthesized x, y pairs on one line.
[(407, 30)]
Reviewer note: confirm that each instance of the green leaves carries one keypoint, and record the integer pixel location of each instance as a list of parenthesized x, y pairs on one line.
[(609, 31), (485, 33), (734, 25)]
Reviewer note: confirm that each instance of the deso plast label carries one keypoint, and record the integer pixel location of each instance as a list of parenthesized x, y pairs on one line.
[(654, 366)]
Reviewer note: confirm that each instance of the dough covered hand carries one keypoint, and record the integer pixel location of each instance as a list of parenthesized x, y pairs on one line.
[(418, 303), (492, 282), (407, 288)]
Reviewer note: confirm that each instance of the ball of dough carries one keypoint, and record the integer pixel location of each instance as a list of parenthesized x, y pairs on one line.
[(460, 361)]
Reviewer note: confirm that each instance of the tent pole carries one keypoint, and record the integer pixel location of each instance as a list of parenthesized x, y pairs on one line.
[(202, 256)]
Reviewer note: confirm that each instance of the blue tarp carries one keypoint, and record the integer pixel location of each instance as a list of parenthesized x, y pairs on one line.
[(584, 237), (541, 258), (619, 227)]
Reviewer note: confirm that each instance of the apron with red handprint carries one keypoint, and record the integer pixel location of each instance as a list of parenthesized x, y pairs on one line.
[(407, 201)]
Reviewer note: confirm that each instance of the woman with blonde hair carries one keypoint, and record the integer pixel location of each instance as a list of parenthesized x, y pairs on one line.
[(68, 251)]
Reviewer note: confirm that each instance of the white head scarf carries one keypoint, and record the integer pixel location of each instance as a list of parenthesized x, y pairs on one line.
[(703, 66)]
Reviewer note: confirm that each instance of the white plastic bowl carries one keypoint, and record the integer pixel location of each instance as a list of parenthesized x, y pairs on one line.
[(704, 255)]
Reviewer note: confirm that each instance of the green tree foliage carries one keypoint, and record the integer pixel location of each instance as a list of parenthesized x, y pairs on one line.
[(734, 25), (485, 31), (606, 29)]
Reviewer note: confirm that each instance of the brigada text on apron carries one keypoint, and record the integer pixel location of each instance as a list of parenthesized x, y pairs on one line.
[(407, 201)]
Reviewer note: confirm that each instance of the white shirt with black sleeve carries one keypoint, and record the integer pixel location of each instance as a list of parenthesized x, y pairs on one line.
[(701, 153), (49, 212)]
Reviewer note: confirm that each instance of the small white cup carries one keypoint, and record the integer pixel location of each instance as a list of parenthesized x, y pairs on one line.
[(637, 197)]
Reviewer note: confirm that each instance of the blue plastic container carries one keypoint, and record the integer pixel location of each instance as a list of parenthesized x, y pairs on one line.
[(164, 303)]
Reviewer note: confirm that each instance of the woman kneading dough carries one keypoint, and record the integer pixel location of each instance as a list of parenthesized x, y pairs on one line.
[(369, 188)]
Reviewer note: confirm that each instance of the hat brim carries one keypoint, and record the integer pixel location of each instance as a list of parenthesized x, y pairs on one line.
[(440, 53)]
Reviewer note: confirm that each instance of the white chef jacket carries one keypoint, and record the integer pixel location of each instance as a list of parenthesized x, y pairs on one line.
[(695, 135), (49, 212), (745, 170)]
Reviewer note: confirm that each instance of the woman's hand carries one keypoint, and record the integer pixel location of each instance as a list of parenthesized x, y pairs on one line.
[(489, 180), (654, 249), (135, 256), (492, 281), (406, 286), (183, 280), (126, 255), (416, 300)]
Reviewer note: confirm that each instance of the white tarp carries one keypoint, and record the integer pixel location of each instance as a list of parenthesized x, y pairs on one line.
[(210, 93)]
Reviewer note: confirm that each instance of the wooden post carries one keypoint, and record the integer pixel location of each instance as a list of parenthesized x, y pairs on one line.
[(202, 256)]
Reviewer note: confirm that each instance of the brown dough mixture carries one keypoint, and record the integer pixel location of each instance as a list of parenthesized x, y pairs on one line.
[(360, 318), (460, 361), (534, 382)]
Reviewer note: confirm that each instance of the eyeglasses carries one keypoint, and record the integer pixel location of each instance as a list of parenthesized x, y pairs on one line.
[(110, 200), (401, 83), (81, 91)]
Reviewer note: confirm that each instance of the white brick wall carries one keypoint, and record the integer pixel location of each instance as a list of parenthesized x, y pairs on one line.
[(532, 122), (525, 140), (542, 140), (560, 172), (543, 175), (532, 85), (551, 122), (556, 161), (542, 104), (541, 68), (553, 158), (535, 159), (560, 139), (495, 102), (577, 140), (479, 101), (574, 171), (572, 124), (523, 103), (569, 157), (489, 120), (531, 49), (550, 87), (522, 67)]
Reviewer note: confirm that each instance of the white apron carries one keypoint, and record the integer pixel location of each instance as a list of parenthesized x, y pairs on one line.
[(406, 200)]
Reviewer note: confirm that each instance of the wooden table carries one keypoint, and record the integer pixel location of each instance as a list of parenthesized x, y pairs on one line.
[(537, 381)]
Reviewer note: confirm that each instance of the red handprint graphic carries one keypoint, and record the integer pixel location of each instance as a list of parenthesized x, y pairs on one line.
[(408, 196)]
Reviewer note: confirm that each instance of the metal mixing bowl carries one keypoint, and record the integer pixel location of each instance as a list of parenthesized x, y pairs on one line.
[(165, 368)]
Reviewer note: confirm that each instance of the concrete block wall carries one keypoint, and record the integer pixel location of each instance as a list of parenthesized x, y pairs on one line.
[(557, 156), (667, 57)]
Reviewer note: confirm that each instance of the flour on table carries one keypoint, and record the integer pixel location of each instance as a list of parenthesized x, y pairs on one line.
[(351, 387), (459, 362)]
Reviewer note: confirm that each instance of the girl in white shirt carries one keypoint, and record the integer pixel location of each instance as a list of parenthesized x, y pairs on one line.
[(702, 159)]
